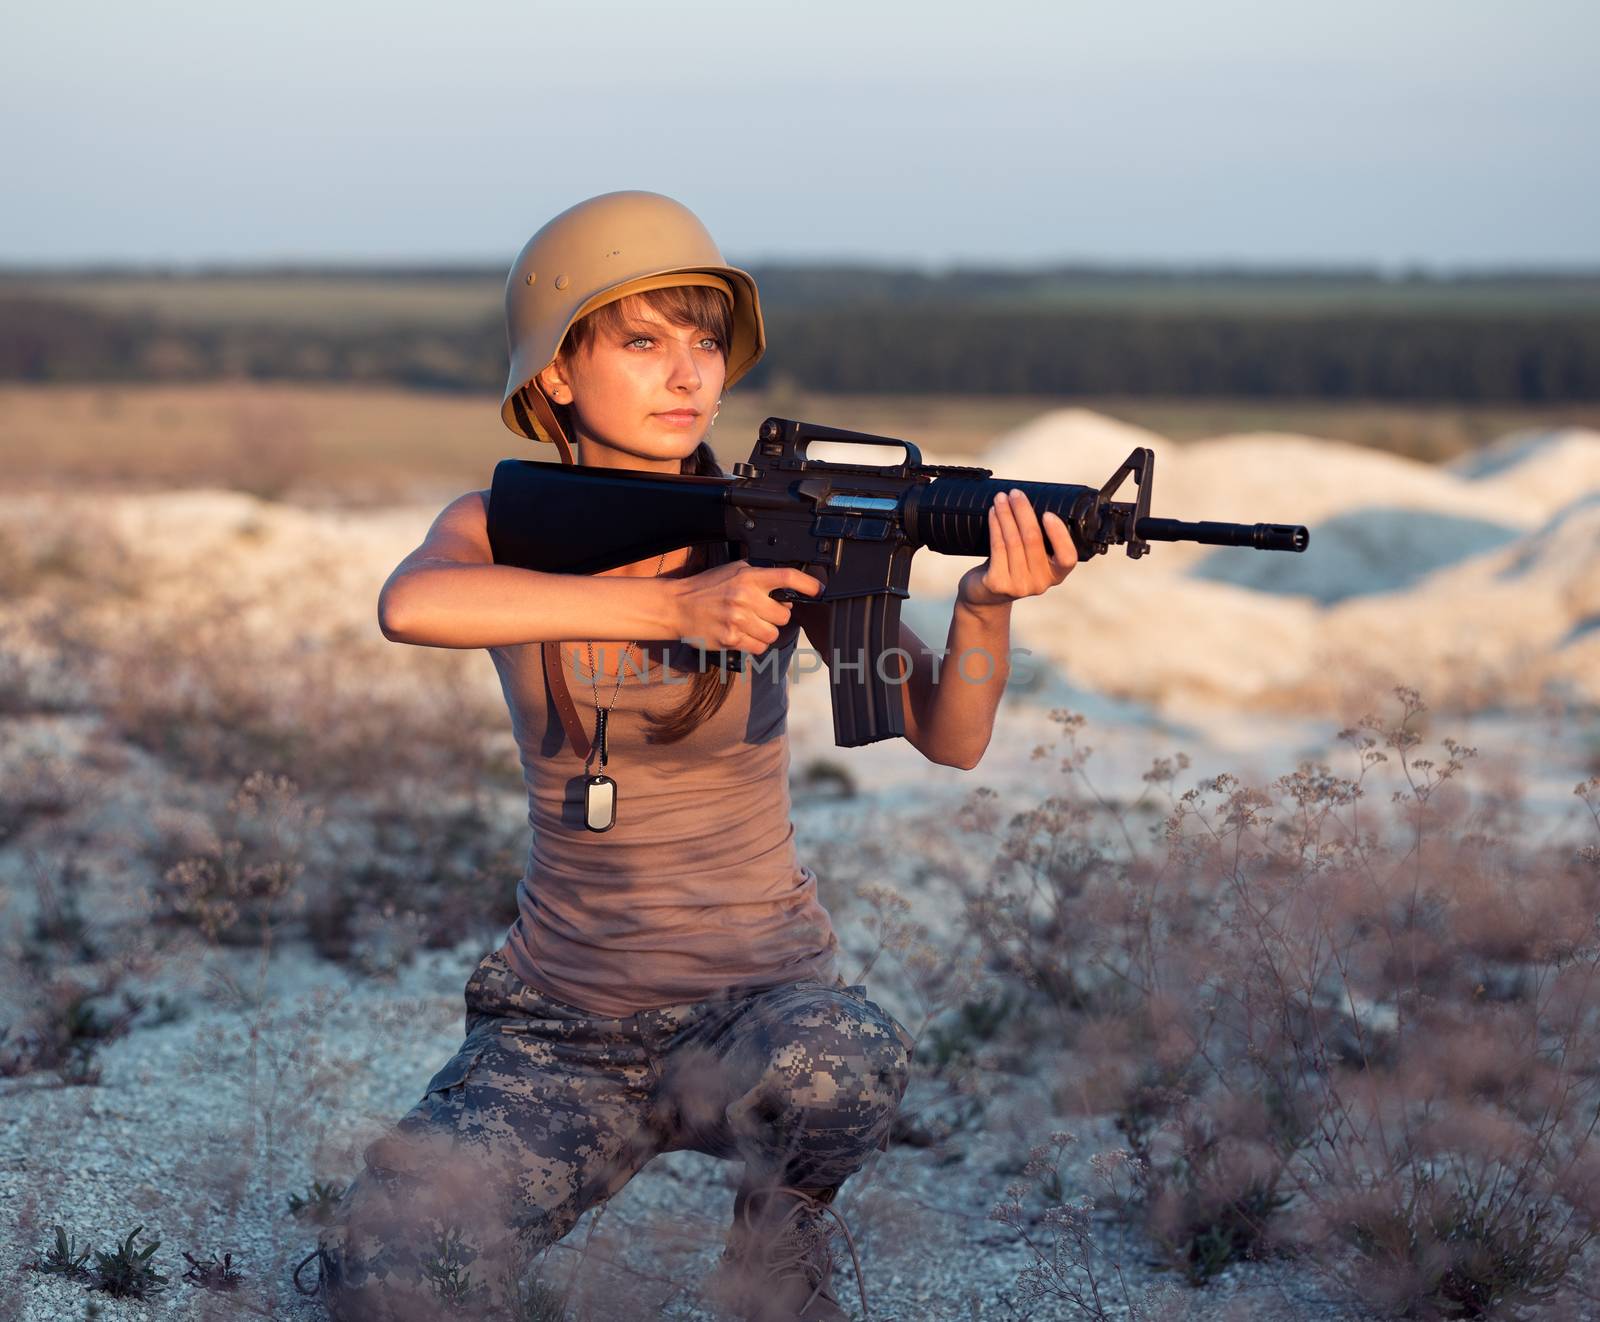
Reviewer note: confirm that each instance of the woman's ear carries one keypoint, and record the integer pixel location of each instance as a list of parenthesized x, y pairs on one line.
[(554, 384)]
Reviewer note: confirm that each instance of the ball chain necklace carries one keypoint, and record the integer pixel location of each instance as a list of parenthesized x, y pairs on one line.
[(600, 791)]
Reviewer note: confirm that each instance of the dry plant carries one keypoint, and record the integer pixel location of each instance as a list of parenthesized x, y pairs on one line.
[(1365, 1038), (36, 789), (76, 559), (64, 981), (259, 670), (432, 869), (242, 888), (1069, 1267), (942, 981), (66, 1021), (212, 697), (403, 748), (291, 1081), (269, 451)]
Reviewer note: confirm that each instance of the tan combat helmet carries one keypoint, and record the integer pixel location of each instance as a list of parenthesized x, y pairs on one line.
[(595, 253)]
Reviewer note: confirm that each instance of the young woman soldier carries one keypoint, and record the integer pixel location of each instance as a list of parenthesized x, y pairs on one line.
[(670, 982)]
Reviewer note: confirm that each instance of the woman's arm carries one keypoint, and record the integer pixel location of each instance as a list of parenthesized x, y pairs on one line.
[(450, 593)]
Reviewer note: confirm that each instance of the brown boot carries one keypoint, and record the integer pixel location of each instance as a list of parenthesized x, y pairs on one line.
[(778, 1263)]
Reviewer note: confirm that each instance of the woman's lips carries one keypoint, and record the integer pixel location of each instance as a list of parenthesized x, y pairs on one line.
[(679, 417)]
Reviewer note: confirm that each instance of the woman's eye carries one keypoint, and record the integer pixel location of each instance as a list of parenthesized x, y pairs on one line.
[(713, 341), (643, 339)]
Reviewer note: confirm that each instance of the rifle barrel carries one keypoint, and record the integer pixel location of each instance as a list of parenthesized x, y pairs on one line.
[(1261, 536)]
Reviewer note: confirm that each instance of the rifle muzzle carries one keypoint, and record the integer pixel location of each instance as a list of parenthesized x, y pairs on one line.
[(1260, 536)]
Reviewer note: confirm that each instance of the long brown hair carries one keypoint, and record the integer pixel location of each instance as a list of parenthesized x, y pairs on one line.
[(695, 307)]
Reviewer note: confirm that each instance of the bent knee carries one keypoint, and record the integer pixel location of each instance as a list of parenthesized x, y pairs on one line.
[(873, 1073)]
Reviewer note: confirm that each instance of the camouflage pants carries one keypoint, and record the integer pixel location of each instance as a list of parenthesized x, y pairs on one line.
[(546, 1111)]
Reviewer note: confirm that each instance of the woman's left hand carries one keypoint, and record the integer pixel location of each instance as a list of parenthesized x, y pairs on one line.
[(1019, 563)]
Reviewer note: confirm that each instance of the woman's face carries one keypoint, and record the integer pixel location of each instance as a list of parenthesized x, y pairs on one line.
[(642, 396)]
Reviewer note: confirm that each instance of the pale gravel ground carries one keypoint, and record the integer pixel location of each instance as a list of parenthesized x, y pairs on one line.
[(176, 1139)]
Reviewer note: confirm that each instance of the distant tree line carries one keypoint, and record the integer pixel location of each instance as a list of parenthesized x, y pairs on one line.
[(1334, 356), (51, 341), (838, 286), (910, 347)]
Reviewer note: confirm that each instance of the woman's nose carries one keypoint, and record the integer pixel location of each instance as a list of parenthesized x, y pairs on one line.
[(685, 371)]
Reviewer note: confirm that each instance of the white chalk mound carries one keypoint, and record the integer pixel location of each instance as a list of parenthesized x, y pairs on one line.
[(1546, 468), (1479, 579), (1072, 445)]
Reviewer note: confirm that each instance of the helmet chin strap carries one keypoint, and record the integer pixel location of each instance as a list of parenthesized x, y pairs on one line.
[(558, 435)]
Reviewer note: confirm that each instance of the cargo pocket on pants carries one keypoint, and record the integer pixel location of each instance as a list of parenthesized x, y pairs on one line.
[(456, 1070), (427, 1132)]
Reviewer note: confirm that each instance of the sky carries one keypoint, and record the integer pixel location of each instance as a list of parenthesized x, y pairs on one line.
[(1448, 134)]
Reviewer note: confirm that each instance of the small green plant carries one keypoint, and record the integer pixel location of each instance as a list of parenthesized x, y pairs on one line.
[(212, 1274), (127, 1273), (59, 917), (64, 1031), (318, 1204), (975, 1022), (1208, 1199), (165, 1010), (14, 1054), (79, 1069), (83, 1021), (1071, 1270), (453, 1286), (1213, 1232), (64, 1258)]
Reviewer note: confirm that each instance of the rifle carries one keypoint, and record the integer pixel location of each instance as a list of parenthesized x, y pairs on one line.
[(853, 526)]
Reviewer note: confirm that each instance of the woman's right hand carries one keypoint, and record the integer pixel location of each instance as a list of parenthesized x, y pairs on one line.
[(728, 608)]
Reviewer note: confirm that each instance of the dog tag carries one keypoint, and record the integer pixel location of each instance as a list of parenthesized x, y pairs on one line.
[(599, 802)]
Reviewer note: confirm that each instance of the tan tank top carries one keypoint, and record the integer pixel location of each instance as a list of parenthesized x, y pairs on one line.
[(697, 887)]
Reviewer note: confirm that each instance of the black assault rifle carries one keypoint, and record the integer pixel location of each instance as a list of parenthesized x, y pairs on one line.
[(853, 526)]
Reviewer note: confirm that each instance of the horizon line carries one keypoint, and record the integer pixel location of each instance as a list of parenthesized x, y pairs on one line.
[(1388, 273)]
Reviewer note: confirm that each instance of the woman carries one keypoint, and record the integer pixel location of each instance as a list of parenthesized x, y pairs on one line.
[(670, 982)]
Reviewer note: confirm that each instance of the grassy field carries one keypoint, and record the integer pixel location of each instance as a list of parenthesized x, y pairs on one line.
[(346, 303), (352, 300), (364, 446)]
